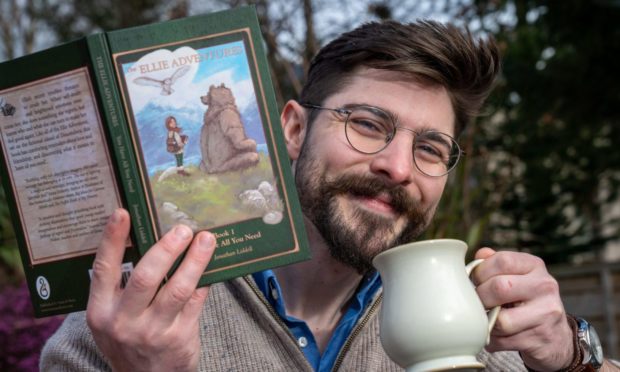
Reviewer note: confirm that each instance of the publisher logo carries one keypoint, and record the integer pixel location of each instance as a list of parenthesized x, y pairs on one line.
[(6, 108), (43, 288)]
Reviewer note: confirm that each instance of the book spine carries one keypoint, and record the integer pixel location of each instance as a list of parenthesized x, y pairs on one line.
[(120, 141)]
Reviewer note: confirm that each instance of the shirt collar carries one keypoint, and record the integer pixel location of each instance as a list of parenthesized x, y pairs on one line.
[(270, 287)]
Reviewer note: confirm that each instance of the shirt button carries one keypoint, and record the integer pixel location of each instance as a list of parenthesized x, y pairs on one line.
[(302, 341)]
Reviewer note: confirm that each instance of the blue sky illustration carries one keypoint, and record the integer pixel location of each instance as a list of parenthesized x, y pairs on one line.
[(217, 65)]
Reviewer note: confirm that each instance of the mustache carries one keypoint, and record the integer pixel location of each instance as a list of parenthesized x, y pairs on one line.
[(366, 186)]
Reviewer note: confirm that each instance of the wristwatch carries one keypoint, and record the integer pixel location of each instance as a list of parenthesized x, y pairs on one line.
[(590, 346)]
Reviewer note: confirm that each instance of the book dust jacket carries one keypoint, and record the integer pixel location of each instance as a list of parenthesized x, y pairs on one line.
[(176, 122)]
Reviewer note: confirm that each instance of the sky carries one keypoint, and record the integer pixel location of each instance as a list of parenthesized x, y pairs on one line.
[(232, 71)]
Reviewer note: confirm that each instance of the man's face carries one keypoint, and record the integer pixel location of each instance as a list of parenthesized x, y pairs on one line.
[(364, 204)]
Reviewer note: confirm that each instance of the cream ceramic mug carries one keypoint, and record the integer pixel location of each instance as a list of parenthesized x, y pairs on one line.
[(431, 317)]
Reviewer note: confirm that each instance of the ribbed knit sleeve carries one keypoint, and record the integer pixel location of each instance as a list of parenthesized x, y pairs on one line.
[(502, 361), (72, 348)]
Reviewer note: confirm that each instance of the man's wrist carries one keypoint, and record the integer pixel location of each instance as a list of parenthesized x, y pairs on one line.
[(576, 363)]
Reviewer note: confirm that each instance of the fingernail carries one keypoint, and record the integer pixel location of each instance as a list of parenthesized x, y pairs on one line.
[(182, 232), (116, 216), (205, 241)]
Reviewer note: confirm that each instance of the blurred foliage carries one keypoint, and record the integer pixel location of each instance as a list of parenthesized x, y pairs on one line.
[(559, 133), (21, 335), (542, 170), (11, 270), (74, 18)]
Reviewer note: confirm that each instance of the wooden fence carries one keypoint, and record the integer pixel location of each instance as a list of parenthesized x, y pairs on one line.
[(593, 292)]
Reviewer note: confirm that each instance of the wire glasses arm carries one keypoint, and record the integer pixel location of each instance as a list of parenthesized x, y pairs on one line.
[(341, 111)]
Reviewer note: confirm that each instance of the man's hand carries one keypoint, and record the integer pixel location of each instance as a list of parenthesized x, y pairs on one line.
[(139, 328), (532, 320)]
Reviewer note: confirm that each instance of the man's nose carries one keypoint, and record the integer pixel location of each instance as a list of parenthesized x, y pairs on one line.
[(395, 162)]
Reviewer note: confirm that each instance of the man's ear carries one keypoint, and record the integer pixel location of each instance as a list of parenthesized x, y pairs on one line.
[(294, 127)]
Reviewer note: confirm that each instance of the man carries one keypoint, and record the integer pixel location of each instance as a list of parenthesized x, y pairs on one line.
[(371, 141)]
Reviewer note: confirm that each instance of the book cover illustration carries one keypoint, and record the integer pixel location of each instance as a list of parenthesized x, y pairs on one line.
[(199, 121)]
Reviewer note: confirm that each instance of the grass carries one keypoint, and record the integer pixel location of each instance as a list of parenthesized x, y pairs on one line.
[(210, 199)]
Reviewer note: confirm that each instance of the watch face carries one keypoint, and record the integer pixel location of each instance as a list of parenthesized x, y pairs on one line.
[(595, 346)]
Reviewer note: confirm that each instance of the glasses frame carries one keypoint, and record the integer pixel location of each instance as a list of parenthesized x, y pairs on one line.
[(348, 111)]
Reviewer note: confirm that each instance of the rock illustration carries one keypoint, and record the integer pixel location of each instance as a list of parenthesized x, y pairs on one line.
[(263, 200), (170, 215), (223, 142)]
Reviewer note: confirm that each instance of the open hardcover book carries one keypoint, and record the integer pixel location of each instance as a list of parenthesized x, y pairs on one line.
[(176, 122)]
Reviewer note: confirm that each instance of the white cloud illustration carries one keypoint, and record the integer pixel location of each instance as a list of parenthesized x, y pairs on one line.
[(187, 89), (160, 65)]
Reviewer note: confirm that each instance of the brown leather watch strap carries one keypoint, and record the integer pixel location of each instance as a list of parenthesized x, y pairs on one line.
[(575, 365)]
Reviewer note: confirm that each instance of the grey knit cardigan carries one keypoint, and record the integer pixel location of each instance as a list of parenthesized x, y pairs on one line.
[(239, 331)]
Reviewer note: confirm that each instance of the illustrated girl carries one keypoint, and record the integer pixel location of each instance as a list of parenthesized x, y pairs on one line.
[(176, 142)]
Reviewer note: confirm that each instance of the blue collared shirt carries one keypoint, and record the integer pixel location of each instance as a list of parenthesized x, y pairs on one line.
[(268, 284)]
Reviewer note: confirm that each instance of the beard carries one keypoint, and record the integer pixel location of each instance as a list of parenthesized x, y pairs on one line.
[(357, 238)]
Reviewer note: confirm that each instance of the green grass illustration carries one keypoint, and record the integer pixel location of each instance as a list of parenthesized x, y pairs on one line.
[(211, 200)]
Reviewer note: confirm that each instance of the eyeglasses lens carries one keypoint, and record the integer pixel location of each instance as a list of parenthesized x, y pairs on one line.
[(369, 130)]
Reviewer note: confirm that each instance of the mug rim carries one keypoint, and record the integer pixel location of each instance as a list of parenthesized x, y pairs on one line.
[(419, 242)]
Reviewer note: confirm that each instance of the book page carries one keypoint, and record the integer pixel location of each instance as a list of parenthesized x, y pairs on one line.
[(61, 173)]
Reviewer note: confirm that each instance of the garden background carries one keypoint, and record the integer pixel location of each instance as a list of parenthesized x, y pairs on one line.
[(542, 167)]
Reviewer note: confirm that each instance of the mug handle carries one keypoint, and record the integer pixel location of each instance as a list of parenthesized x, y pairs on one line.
[(494, 312)]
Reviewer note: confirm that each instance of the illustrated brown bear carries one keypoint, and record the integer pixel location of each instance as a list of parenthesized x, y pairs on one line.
[(223, 143)]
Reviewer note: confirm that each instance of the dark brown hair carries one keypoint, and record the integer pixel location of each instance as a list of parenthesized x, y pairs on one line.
[(168, 120), (430, 52)]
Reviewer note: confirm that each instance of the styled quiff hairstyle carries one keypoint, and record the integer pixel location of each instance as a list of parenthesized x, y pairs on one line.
[(430, 52)]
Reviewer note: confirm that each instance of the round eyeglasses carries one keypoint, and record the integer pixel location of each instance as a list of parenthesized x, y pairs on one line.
[(370, 129)]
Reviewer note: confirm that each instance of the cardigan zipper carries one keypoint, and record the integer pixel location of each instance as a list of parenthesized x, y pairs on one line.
[(274, 315), (356, 331), (270, 308)]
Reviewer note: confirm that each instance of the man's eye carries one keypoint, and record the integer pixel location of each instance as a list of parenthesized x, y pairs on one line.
[(366, 124), (431, 153), (368, 127)]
